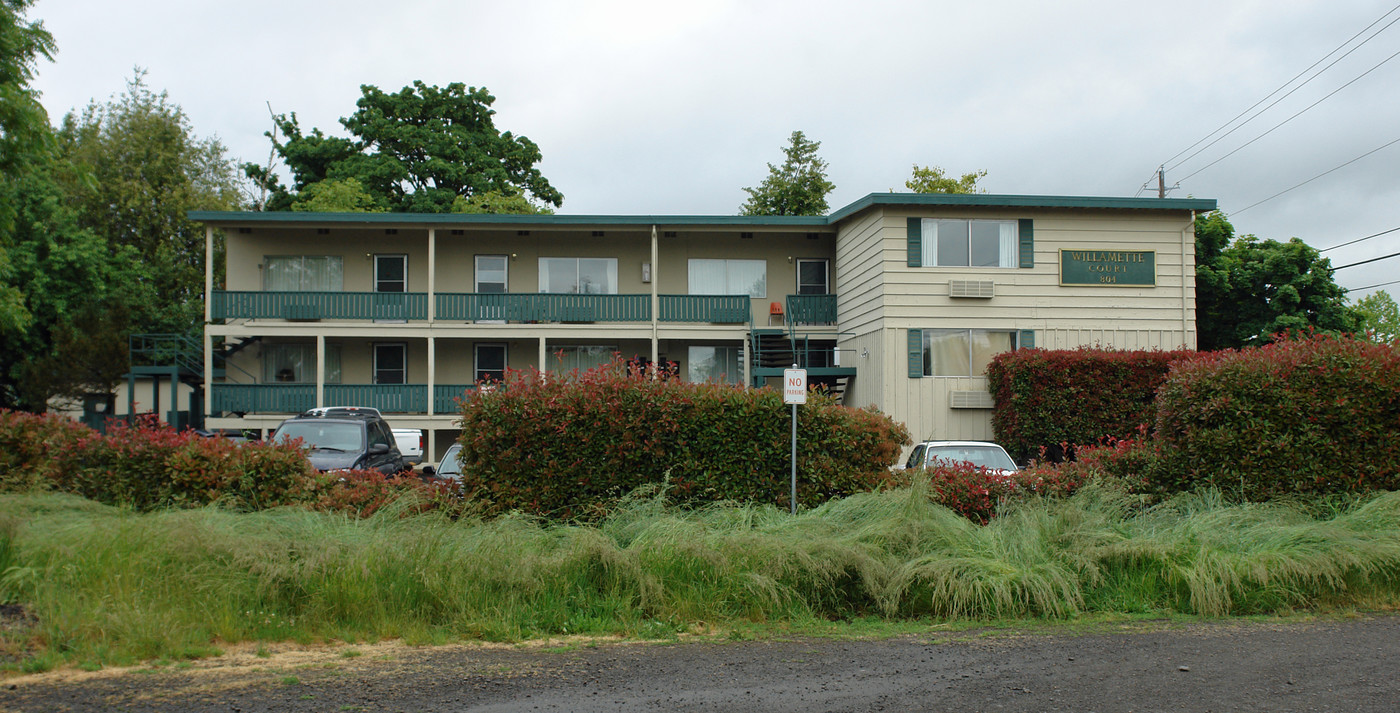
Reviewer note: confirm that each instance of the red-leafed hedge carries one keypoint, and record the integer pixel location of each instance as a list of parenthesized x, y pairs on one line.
[(1053, 398), (148, 465), (976, 493), (1313, 415), (565, 444)]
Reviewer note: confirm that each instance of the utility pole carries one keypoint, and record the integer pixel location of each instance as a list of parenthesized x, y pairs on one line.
[(1162, 186)]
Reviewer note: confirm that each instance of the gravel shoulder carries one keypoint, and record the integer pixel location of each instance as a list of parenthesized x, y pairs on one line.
[(1336, 665)]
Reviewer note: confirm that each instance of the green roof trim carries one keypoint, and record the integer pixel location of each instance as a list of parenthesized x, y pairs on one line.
[(453, 219), (992, 200), (984, 200)]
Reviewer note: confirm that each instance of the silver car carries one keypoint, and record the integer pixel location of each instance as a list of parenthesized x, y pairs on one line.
[(982, 454)]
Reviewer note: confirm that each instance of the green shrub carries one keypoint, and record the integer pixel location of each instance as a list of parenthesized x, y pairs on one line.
[(568, 443), (977, 493), (150, 465), (28, 443), (1057, 399), (1314, 415)]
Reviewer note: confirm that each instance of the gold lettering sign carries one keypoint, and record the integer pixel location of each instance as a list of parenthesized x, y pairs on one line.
[(1108, 268)]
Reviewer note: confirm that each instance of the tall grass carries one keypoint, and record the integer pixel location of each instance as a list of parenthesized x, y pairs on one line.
[(110, 585)]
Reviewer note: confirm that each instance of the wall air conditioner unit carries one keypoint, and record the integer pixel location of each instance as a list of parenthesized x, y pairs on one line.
[(970, 399), (977, 289)]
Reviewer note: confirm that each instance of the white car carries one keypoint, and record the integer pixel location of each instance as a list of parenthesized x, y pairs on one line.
[(449, 468), (982, 454)]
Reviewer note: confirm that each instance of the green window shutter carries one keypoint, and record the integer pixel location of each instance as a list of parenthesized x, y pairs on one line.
[(1027, 230), (916, 243), (1026, 340), (916, 353)]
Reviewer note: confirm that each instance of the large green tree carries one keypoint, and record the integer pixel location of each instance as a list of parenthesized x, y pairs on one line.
[(932, 179), (133, 167), (24, 138), (417, 150), (1249, 289), (1378, 316), (80, 291), (798, 187)]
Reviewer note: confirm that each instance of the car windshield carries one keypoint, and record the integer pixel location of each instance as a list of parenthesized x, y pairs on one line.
[(450, 466), (990, 457), (324, 436)]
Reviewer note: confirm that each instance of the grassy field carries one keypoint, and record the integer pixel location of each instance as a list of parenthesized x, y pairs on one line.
[(101, 585)]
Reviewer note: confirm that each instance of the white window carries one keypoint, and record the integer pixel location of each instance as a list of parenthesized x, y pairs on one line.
[(583, 358), (303, 273), (390, 364), (715, 364), (296, 363), (490, 363), (578, 275), (729, 277), (963, 352), (969, 243)]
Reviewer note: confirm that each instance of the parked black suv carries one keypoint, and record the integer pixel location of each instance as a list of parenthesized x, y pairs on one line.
[(345, 439)]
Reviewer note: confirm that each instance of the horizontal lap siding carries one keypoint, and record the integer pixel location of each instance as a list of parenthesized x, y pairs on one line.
[(862, 257), (1024, 299)]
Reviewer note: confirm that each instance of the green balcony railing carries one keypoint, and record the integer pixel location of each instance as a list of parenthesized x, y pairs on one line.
[(811, 309), (445, 396), (262, 398), (530, 307), (319, 305), (721, 309), (388, 398)]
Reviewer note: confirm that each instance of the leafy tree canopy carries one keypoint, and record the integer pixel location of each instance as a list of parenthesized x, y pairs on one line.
[(417, 150), (24, 136), (1249, 289), (931, 179), (81, 292), (337, 195), (798, 187), (133, 167), (24, 125), (1378, 316), (497, 202)]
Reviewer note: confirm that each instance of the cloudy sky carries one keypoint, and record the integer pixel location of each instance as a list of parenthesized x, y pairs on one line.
[(657, 107)]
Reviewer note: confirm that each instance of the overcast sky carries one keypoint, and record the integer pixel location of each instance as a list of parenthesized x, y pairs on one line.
[(652, 107)]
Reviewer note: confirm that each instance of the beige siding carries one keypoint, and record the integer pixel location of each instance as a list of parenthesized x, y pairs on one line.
[(882, 292), (863, 251)]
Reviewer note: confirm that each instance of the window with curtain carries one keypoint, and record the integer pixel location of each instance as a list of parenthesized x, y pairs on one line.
[(715, 364), (729, 277), (969, 243), (578, 275), (963, 352), (303, 273), (296, 363), (583, 358)]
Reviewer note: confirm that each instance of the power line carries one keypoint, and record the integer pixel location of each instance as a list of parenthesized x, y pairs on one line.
[(1291, 118), (1285, 84), (1369, 287), (1314, 178), (1363, 262), (1353, 242)]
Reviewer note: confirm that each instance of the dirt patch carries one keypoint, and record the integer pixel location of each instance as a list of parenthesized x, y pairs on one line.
[(1235, 666)]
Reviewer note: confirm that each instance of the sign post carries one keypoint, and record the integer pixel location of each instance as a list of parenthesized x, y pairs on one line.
[(794, 392)]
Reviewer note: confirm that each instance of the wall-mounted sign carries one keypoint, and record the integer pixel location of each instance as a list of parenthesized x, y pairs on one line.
[(1108, 268)]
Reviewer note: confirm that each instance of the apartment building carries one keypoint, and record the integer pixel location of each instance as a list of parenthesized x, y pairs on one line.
[(897, 301)]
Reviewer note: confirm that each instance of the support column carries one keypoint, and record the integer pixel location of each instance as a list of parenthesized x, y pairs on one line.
[(208, 372), (321, 370), (432, 295), (655, 302), (544, 354), (432, 366), (208, 273)]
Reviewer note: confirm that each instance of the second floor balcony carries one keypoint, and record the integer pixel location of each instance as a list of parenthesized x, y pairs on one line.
[(508, 307)]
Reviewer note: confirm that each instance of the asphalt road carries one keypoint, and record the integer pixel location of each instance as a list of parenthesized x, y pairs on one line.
[(1350, 665)]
